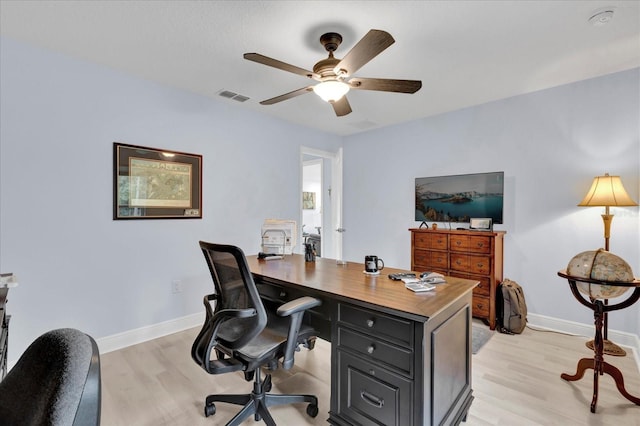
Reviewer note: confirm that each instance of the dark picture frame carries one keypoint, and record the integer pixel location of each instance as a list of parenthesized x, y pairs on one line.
[(152, 183)]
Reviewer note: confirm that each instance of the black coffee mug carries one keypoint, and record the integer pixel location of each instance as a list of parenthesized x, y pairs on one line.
[(373, 264)]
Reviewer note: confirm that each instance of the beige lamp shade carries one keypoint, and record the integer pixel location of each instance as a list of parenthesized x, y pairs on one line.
[(607, 191)]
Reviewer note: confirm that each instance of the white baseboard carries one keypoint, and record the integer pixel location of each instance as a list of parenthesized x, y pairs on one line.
[(143, 334), (629, 341)]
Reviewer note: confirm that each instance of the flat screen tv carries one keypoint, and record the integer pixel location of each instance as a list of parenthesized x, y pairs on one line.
[(458, 198)]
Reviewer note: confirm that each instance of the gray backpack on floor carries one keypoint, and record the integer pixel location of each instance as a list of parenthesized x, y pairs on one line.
[(511, 308)]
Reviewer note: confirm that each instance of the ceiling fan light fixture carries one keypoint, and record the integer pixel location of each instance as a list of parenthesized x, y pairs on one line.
[(332, 90)]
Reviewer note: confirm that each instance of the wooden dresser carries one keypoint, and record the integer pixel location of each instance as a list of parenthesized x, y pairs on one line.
[(476, 255)]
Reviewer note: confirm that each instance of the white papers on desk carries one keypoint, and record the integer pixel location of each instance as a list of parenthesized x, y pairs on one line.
[(430, 275), (433, 280), (419, 287)]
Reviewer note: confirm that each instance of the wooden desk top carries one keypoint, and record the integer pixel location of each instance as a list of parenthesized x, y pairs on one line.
[(349, 282)]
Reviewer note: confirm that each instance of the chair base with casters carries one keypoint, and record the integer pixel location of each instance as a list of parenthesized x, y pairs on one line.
[(257, 402), (240, 334)]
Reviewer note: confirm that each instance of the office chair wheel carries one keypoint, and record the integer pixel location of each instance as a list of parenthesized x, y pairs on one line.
[(312, 410), (209, 410), (311, 343)]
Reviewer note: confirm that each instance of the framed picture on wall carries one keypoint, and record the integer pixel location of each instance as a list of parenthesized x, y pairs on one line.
[(309, 200), (151, 183)]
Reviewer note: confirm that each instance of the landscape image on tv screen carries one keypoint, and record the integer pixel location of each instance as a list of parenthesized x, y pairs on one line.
[(458, 198)]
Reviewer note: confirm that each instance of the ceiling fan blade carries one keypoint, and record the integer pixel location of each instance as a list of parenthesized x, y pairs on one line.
[(287, 96), (370, 46), (265, 60), (385, 85), (341, 106)]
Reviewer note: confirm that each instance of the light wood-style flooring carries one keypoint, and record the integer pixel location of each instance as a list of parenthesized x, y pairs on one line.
[(516, 382)]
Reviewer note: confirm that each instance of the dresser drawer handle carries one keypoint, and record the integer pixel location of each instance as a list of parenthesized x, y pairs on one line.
[(370, 323), (371, 349), (371, 399)]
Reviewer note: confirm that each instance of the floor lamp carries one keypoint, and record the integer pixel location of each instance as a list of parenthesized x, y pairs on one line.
[(607, 191)]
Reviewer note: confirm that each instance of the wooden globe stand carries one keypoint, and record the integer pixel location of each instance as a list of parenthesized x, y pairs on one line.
[(597, 363)]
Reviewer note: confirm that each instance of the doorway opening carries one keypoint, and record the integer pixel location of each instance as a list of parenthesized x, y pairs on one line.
[(321, 201)]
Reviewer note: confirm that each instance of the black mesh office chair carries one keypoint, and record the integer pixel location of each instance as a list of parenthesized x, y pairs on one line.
[(55, 382), (244, 336)]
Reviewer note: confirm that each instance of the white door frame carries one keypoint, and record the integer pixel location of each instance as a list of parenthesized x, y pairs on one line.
[(336, 193)]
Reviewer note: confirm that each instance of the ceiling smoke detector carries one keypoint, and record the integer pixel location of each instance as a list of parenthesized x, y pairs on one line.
[(601, 18)]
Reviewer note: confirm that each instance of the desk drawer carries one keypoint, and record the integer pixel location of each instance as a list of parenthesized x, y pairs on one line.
[(431, 241), (280, 294), (392, 356), (370, 395), (394, 329), (480, 307), (472, 244), (430, 260), (273, 292), (320, 317), (482, 289), (470, 263)]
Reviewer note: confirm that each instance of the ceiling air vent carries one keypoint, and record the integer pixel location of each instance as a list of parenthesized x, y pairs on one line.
[(232, 95)]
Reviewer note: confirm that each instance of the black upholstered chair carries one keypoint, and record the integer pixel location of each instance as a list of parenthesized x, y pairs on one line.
[(55, 382), (240, 334)]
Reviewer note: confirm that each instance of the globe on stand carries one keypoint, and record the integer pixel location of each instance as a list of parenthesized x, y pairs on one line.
[(601, 265)]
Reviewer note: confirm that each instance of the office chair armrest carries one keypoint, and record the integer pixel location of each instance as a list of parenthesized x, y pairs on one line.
[(213, 324), (294, 309), (298, 305), (213, 321)]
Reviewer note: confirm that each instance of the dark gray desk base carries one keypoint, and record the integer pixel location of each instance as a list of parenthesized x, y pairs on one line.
[(389, 367)]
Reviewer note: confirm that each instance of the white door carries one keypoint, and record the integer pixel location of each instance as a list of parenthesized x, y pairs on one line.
[(328, 199)]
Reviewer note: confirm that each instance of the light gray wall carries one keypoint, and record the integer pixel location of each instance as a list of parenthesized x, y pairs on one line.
[(550, 144), (76, 266), (79, 268)]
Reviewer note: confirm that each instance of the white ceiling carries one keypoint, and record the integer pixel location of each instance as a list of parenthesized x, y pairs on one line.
[(465, 52)]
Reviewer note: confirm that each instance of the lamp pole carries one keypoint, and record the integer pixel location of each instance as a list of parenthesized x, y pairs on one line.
[(607, 219)]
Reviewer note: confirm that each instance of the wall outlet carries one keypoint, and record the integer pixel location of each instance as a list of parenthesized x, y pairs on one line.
[(176, 286)]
